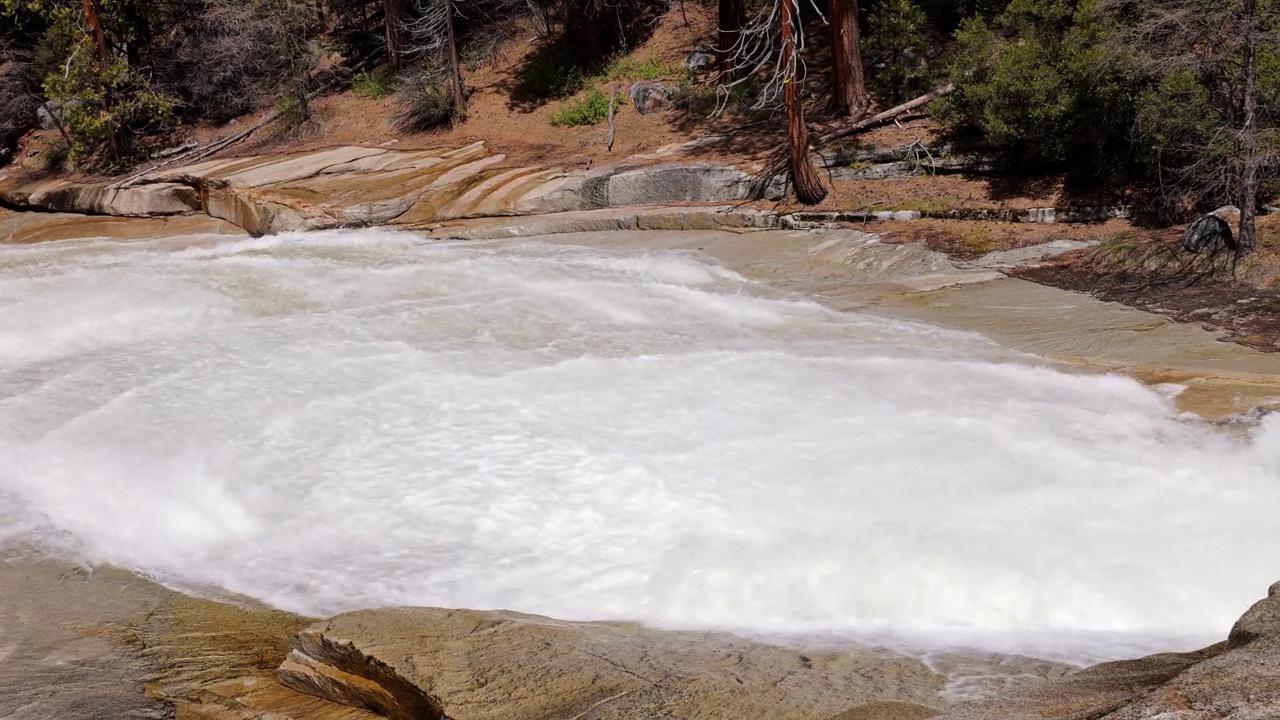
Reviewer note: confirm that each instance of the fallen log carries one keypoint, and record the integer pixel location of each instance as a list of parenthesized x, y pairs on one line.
[(198, 153), (886, 116)]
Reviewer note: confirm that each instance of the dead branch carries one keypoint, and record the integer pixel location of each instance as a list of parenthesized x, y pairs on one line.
[(613, 128), (198, 153), (886, 116)]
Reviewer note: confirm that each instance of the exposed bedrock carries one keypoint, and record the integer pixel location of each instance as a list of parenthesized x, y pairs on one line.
[(360, 186), (427, 663)]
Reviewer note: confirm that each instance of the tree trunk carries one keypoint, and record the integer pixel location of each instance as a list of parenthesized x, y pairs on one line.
[(395, 14), (455, 63), (804, 176), (1248, 238), (849, 96), (115, 148), (732, 18), (95, 26), (590, 33)]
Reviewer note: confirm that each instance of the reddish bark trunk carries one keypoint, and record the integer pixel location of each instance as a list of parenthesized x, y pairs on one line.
[(732, 18), (804, 176), (849, 96), (395, 14), (95, 26)]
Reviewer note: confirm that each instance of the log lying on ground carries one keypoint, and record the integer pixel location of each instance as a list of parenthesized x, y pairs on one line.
[(888, 115)]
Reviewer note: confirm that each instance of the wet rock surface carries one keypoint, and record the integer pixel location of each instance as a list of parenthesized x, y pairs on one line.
[(105, 644), (1237, 679), (467, 665)]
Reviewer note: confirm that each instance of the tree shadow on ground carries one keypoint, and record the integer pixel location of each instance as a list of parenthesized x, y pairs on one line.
[(558, 67)]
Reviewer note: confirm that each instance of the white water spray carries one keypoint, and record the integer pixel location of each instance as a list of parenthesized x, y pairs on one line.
[(355, 419)]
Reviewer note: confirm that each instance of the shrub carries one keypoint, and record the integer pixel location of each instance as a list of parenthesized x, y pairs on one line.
[(373, 85), (293, 110), (1039, 85), (106, 104), (896, 46), (590, 109), (426, 102), (649, 67), (233, 56), (17, 101)]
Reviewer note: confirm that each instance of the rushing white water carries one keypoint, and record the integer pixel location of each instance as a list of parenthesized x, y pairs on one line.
[(357, 419)]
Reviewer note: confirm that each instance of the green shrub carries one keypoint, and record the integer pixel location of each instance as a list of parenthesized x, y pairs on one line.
[(425, 102), (649, 67), (105, 104), (590, 109), (1039, 84), (895, 46), (293, 110), (373, 85)]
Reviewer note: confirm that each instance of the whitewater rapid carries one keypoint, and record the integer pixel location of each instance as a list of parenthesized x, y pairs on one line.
[(357, 419)]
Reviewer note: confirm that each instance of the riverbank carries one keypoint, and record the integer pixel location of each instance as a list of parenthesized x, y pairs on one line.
[(213, 659)]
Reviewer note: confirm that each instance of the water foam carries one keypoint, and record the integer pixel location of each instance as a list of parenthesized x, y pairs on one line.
[(356, 419)]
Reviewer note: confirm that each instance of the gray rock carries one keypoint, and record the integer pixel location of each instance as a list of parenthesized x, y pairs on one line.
[(1208, 234), (1229, 213), (651, 95), (671, 184), (702, 58), (49, 115), (912, 60)]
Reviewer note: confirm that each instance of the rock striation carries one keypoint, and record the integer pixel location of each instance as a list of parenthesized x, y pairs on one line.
[(363, 186), (434, 664)]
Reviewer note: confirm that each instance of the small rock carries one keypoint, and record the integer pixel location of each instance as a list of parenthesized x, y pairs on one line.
[(911, 59), (1208, 234), (1230, 213), (49, 115), (702, 58), (651, 95)]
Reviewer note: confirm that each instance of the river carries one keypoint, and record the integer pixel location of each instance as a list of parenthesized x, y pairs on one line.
[(356, 419)]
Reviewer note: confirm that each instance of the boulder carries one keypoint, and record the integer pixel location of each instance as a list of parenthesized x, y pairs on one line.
[(432, 664), (651, 95), (666, 184), (1208, 234), (701, 59), (1230, 213), (49, 114)]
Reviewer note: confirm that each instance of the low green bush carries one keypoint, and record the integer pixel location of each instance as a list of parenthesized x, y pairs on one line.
[(590, 109), (373, 85), (293, 111), (649, 67)]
